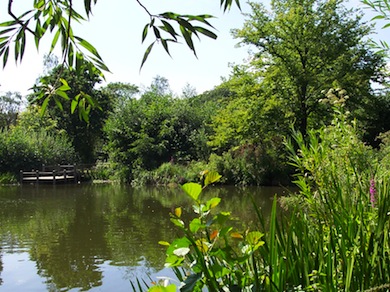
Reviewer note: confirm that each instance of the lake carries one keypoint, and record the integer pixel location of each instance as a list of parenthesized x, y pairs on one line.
[(97, 237)]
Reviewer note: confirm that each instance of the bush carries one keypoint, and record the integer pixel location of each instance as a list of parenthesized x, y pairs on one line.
[(27, 150)]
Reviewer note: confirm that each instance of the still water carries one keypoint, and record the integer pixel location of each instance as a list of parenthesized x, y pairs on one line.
[(96, 237)]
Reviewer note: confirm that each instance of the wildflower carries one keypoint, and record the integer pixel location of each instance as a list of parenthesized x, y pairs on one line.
[(372, 192)]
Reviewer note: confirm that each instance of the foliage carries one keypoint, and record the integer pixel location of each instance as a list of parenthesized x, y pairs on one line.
[(10, 104), (78, 55), (26, 150), (334, 238), (152, 130), (310, 46), (85, 137)]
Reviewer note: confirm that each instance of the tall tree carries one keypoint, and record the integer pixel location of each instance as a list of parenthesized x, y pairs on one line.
[(85, 136), (307, 46)]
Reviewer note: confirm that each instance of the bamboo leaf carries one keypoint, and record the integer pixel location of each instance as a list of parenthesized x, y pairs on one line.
[(147, 52), (206, 32), (88, 46), (145, 32)]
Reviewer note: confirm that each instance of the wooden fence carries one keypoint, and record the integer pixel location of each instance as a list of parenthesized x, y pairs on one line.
[(51, 174)]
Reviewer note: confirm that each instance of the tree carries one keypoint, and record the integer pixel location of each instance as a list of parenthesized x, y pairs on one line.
[(10, 104), (57, 17), (85, 136), (305, 47)]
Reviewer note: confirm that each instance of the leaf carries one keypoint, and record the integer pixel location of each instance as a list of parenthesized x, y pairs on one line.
[(193, 190), (178, 222), (54, 41), (165, 243), (206, 32), (145, 32), (212, 203), (178, 212), (169, 29), (147, 52), (5, 56), (88, 46), (195, 225), (169, 288), (236, 235), (188, 39), (181, 252), (211, 177), (214, 234)]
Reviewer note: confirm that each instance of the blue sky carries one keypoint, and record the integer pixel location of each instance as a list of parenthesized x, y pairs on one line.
[(115, 30)]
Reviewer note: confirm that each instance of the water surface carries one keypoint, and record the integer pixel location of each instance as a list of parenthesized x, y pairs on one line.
[(96, 237)]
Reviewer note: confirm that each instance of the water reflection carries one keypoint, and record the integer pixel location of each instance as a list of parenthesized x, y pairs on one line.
[(85, 236)]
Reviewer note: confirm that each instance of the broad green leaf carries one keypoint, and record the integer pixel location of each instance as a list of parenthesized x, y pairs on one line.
[(169, 288), (211, 177), (62, 94), (193, 190), (212, 203), (195, 225), (44, 106)]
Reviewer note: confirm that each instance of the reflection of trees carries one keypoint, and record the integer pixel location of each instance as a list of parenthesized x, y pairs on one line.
[(1, 266), (71, 231)]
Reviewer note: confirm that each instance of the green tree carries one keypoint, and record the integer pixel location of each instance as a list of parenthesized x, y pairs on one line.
[(10, 104), (86, 137), (305, 47)]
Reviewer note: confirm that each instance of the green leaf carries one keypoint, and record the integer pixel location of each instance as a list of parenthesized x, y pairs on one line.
[(211, 177), (206, 32), (55, 40), (193, 190), (145, 32), (213, 202), (168, 27), (147, 52), (5, 56), (169, 288), (188, 39), (63, 95), (195, 225), (73, 105), (88, 46)]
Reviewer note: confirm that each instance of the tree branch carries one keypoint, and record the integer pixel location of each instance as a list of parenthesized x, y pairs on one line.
[(23, 24)]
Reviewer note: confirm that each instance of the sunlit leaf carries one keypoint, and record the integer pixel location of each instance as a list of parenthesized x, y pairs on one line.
[(212, 203), (236, 235), (178, 212), (193, 190), (181, 252), (211, 177), (165, 243)]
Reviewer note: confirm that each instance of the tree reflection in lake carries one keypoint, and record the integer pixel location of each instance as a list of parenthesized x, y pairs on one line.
[(81, 236)]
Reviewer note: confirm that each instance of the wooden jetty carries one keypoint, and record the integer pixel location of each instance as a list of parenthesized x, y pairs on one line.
[(50, 174)]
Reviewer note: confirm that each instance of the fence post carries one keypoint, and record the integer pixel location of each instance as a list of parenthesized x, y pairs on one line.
[(54, 176), (37, 175), (21, 176)]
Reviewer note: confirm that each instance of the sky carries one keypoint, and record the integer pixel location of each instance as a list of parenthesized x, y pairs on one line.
[(115, 30)]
